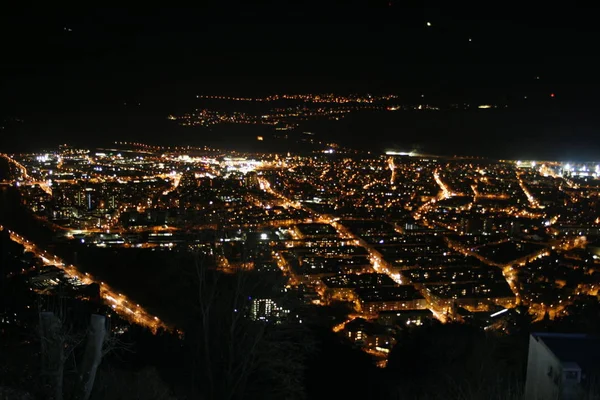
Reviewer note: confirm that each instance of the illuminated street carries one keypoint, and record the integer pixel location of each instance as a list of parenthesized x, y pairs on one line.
[(450, 235), (120, 303)]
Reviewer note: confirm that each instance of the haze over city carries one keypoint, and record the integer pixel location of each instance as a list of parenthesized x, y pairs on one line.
[(116, 74)]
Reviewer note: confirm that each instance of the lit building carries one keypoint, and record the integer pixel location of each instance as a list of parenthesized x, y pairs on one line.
[(266, 310), (405, 318), (404, 297), (483, 295), (251, 180), (343, 287), (370, 335)]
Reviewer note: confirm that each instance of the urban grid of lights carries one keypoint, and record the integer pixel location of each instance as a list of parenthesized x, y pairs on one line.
[(399, 232)]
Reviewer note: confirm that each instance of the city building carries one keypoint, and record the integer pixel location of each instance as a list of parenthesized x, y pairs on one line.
[(266, 310), (403, 297), (562, 366)]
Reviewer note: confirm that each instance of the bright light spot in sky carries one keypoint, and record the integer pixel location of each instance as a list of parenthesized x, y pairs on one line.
[(428, 23)]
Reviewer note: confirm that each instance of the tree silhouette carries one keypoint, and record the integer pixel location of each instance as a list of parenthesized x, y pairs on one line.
[(458, 362), (232, 356)]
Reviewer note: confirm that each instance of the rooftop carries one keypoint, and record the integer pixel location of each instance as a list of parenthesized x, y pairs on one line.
[(398, 293)]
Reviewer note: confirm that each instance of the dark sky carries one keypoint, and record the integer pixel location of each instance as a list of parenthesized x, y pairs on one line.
[(79, 61)]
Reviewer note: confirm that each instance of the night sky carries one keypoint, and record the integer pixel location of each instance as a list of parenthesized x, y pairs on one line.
[(78, 72)]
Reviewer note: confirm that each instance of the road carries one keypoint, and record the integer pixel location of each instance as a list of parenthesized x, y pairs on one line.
[(27, 180), (532, 200), (380, 265), (446, 192), (118, 302)]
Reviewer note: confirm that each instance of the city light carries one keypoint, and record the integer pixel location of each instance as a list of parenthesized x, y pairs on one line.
[(393, 232)]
